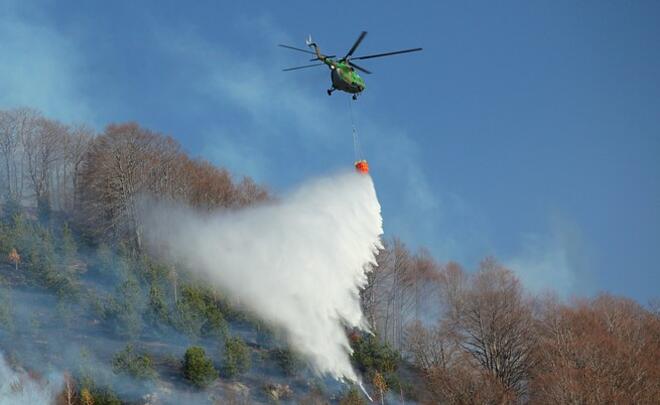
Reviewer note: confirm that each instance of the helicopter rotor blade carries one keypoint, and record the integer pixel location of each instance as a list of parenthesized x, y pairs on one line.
[(361, 69), (378, 55), (327, 56), (302, 67), (296, 49), (356, 44)]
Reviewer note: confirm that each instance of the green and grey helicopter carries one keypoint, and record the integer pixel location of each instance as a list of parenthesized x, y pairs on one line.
[(342, 71)]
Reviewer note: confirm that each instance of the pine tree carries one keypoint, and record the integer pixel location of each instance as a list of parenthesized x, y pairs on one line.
[(198, 368), (237, 357), (68, 246)]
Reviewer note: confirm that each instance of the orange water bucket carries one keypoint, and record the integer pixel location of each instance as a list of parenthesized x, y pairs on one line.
[(362, 166)]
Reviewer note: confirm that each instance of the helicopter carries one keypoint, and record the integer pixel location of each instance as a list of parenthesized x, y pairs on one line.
[(342, 71)]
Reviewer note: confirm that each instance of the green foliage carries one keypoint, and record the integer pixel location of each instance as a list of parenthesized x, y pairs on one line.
[(6, 310), (353, 397), (44, 208), (39, 257), (41, 253), (63, 284), (154, 271), (133, 364), (19, 231), (68, 246), (199, 313), (100, 394), (372, 355), (35, 324), (84, 371), (265, 334), (187, 320), (126, 308), (157, 312), (6, 240), (197, 368), (65, 313), (105, 260), (215, 322), (105, 396), (11, 208), (94, 303), (237, 357), (288, 361)]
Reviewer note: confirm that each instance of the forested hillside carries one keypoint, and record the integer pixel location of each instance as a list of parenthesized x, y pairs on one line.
[(89, 315)]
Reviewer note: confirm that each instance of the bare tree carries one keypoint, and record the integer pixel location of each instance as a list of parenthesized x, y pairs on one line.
[(15, 126), (497, 326), (605, 350), (248, 193), (482, 349), (43, 148), (123, 163), (77, 144), (399, 290), (207, 186), (372, 295), (430, 348), (8, 143), (68, 395)]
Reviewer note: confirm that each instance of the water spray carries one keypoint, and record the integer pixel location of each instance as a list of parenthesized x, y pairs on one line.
[(298, 263), (364, 391)]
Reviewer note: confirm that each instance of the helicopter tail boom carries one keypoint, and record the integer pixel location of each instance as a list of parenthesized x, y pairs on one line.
[(310, 43)]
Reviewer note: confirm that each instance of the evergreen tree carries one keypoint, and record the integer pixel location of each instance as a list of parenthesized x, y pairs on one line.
[(105, 260), (198, 368), (68, 246), (6, 310), (157, 312), (135, 365), (237, 357), (129, 308), (353, 397)]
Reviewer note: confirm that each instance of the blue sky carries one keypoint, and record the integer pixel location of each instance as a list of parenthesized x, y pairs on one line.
[(529, 131)]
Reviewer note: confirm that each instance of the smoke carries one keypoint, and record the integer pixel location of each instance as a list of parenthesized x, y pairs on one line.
[(19, 388), (553, 261), (298, 262)]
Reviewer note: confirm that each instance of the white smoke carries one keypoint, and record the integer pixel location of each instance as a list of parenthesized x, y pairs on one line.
[(298, 262), (19, 388)]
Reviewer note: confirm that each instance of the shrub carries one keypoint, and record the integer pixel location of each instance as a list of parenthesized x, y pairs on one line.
[(68, 248), (6, 310), (134, 364), (237, 357), (105, 262), (287, 360), (157, 310), (197, 368), (129, 308), (371, 355), (199, 313), (104, 396), (352, 397)]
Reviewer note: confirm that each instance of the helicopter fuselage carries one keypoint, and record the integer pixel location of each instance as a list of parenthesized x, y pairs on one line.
[(342, 74), (344, 78)]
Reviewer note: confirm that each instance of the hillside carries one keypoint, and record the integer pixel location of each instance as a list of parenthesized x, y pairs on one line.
[(90, 314)]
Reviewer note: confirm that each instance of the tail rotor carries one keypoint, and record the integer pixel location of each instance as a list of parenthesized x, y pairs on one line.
[(310, 43)]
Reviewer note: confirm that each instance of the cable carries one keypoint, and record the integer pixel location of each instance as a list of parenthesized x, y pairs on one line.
[(356, 140)]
